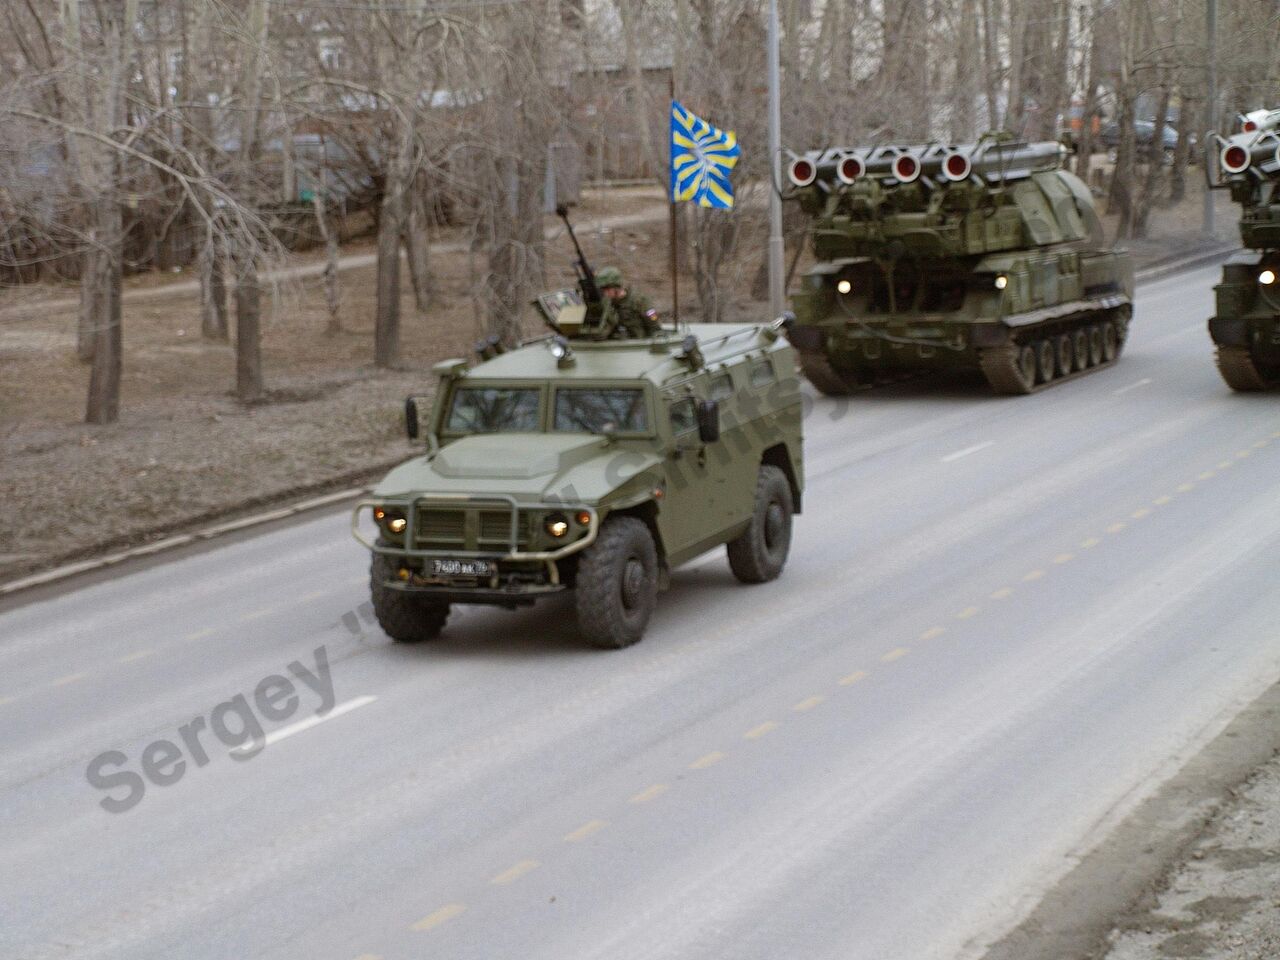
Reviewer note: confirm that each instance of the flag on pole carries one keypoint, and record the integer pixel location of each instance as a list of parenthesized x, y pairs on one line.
[(701, 158)]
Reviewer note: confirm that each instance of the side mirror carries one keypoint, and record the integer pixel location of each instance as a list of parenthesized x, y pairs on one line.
[(411, 417), (708, 421)]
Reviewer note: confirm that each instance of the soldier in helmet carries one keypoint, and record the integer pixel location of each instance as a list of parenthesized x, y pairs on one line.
[(635, 316)]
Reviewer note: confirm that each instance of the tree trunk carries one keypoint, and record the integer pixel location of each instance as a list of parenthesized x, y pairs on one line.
[(89, 304), (386, 324), (213, 293), (1155, 166), (248, 332), (1089, 112), (329, 232), (417, 246), (108, 342)]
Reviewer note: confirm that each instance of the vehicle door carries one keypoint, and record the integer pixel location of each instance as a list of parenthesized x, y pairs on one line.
[(685, 516)]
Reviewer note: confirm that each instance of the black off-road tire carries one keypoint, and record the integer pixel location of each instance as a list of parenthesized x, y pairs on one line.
[(404, 617), (617, 585), (759, 553)]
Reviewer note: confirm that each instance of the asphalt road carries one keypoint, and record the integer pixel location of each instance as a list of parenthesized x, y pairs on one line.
[(1005, 622)]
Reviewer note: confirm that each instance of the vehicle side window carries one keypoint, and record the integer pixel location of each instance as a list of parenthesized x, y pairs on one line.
[(762, 373), (722, 386), (683, 417)]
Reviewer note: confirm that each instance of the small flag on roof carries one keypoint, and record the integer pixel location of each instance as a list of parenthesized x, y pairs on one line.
[(701, 158)]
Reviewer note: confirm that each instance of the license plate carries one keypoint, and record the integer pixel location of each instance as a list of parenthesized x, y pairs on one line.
[(463, 568)]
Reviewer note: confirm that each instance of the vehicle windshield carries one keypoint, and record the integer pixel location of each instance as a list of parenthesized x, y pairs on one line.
[(589, 409), (494, 410)]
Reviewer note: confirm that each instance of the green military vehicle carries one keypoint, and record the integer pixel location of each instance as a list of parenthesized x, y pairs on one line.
[(1245, 327), (593, 461), (984, 256)]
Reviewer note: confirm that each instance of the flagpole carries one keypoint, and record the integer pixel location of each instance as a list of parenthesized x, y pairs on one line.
[(777, 287), (671, 204)]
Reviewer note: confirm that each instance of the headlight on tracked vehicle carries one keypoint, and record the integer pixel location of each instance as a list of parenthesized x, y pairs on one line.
[(1001, 282), (844, 287), (557, 525), (1267, 277)]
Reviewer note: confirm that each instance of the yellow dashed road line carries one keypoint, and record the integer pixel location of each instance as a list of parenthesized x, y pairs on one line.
[(1116, 527), (1186, 487), (586, 830), (72, 678), (5, 700), (853, 678), (199, 634), (1225, 464), (755, 733), (1064, 558), (257, 614), (650, 793), (1089, 543), (313, 595), (1259, 444), (808, 703), (141, 654), (933, 633), (512, 874), (896, 654), (1241, 454), (441, 916), (1207, 475), (712, 758), (1033, 575), (1140, 513), (967, 612), (1161, 501), (1004, 593)]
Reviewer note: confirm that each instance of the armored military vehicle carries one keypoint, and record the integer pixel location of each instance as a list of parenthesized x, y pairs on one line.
[(585, 461), (1246, 324), (985, 256)]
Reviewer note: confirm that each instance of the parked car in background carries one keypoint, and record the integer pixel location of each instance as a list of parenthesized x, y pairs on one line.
[(1143, 131)]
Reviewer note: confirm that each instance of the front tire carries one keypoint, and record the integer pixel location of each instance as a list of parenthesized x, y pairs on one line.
[(404, 617), (759, 553), (617, 585)]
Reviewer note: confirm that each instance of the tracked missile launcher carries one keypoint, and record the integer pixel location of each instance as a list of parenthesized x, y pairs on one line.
[(1246, 324), (982, 256)]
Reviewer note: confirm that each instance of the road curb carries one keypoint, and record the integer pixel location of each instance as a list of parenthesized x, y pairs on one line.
[(1159, 271), (180, 540)]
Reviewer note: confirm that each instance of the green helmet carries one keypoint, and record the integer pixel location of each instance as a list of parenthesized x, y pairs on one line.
[(608, 277)]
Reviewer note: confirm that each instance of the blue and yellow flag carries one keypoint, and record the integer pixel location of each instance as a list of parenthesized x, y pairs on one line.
[(701, 158)]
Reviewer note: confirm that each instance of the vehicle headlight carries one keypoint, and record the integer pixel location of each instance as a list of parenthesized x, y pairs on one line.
[(1001, 282), (392, 521), (845, 287), (1267, 277), (557, 525)]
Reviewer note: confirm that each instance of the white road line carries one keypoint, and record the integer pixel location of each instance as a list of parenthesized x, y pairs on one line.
[(275, 736), (951, 457), (1133, 386)]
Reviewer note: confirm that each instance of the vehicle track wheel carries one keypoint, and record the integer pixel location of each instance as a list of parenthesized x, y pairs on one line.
[(1080, 347), (617, 585), (1027, 365), (404, 617), (1110, 342), (1065, 354), (1044, 361), (759, 553), (1095, 345)]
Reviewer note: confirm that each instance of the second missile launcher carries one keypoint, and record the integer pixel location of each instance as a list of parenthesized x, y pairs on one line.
[(1245, 327), (984, 256)]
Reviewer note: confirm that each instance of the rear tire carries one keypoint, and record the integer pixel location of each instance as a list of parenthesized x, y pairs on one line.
[(617, 585), (759, 553), (404, 617), (1095, 345)]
